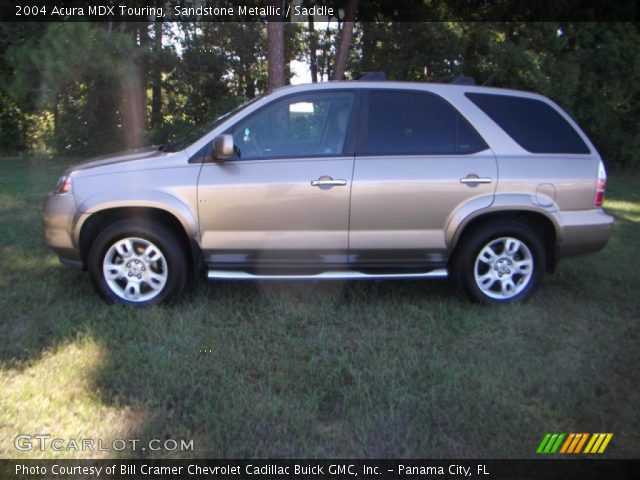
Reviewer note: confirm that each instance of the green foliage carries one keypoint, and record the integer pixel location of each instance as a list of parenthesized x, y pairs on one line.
[(89, 88), (11, 126), (97, 81), (80, 73), (14, 120), (597, 76), (428, 51), (590, 69)]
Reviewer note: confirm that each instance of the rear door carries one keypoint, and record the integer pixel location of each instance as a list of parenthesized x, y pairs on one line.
[(418, 160), (283, 201)]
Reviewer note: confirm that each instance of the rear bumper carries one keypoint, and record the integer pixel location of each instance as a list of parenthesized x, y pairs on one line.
[(57, 221), (583, 232)]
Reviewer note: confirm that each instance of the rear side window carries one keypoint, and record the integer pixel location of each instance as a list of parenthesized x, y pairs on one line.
[(534, 125), (402, 122)]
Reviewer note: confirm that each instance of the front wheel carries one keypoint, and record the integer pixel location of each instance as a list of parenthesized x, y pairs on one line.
[(500, 262), (138, 263)]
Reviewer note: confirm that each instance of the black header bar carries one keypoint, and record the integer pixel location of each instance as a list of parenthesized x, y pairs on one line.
[(322, 10), (560, 469)]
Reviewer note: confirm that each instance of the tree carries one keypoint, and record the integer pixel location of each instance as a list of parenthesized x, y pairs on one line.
[(591, 69), (346, 35), (15, 122), (84, 88), (275, 42), (83, 76), (156, 76), (313, 50)]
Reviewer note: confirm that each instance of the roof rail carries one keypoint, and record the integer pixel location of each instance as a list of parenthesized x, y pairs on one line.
[(373, 77), (462, 80)]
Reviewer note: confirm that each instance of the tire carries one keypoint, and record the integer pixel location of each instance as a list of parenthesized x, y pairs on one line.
[(138, 263), (501, 261)]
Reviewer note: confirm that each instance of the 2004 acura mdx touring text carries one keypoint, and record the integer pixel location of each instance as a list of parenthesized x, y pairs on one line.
[(342, 180)]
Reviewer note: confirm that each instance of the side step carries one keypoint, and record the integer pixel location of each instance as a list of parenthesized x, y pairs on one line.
[(236, 275)]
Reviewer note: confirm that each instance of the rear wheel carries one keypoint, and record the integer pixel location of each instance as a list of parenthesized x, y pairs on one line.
[(500, 262), (138, 263)]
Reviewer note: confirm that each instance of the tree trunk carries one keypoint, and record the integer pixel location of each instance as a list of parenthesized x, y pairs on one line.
[(156, 77), (143, 69), (324, 62), (275, 40), (367, 43), (313, 54), (275, 49), (346, 35), (132, 107)]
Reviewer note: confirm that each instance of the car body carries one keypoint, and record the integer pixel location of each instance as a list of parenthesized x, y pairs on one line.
[(339, 180)]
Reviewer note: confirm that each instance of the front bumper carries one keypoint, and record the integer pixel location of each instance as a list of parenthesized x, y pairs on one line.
[(57, 220), (583, 232)]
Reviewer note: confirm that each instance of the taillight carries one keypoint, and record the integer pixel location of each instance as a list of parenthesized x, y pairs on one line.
[(601, 185)]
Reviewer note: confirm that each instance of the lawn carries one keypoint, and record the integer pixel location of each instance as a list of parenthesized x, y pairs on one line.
[(317, 369)]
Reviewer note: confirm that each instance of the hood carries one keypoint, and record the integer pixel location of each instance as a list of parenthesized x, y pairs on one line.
[(121, 157)]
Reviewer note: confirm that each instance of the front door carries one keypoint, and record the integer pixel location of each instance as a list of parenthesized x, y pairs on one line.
[(282, 202)]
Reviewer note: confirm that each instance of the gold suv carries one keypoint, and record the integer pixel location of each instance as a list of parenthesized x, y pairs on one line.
[(342, 180)]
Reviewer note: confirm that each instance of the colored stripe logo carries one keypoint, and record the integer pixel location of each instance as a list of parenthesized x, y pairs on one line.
[(574, 443)]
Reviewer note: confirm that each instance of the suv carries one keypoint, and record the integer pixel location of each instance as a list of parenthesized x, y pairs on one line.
[(342, 180)]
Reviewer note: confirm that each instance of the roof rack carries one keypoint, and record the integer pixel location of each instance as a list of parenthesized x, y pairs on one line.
[(462, 80), (373, 77), (381, 77)]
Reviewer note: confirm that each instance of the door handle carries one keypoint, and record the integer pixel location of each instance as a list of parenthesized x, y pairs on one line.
[(474, 179), (328, 182)]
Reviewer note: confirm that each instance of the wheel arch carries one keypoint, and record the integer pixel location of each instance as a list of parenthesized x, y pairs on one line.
[(101, 219), (538, 221)]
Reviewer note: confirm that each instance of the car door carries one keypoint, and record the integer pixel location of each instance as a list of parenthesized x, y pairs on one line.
[(282, 202), (418, 161)]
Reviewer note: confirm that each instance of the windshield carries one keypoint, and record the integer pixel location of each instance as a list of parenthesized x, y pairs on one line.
[(200, 131)]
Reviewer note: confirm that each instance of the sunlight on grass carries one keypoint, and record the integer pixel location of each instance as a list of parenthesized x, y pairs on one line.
[(8, 202), (56, 396), (624, 209)]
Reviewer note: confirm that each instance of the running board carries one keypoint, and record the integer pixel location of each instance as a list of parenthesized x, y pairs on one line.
[(236, 275)]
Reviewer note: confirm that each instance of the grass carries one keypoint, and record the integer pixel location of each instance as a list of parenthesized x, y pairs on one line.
[(326, 369)]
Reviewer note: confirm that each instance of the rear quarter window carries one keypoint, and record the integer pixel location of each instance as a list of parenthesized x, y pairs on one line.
[(407, 122), (535, 125)]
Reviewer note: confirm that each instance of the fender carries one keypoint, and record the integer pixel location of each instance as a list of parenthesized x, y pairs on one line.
[(138, 199), (506, 202)]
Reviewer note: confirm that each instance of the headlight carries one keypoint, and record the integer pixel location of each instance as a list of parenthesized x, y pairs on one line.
[(63, 185)]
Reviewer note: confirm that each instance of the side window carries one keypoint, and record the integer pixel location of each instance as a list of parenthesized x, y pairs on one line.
[(535, 125), (417, 123), (303, 125)]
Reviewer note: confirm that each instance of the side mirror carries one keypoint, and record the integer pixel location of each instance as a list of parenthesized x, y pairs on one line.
[(223, 147)]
